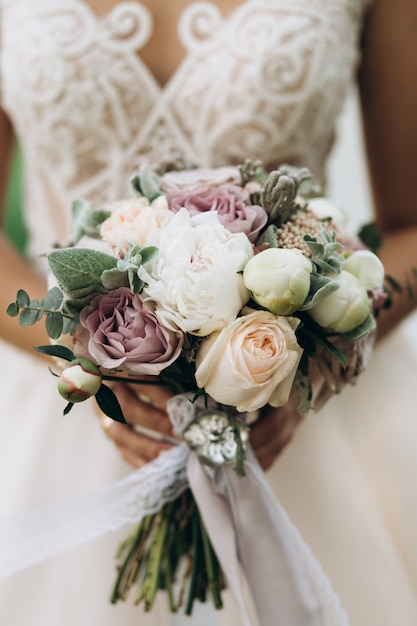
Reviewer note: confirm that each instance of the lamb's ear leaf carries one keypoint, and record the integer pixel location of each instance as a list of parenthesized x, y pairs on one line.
[(77, 269)]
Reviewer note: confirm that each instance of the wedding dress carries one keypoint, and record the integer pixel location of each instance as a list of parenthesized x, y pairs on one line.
[(267, 82)]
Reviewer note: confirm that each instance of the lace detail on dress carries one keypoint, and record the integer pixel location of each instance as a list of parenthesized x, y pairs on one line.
[(88, 111)]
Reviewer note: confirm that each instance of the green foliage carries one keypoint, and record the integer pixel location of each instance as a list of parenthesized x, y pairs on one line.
[(109, 404), (32, 311), (86, 220), (370, 236), (146, 183), (126, 272), (368, 326), (58, 351)]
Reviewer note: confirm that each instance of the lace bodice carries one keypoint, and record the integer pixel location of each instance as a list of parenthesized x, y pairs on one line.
[(267, 82)]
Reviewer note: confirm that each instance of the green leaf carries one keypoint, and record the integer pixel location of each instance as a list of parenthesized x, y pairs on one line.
[(79, 270), (28, 317), (22, 298), (13, 309), (109, 404), (53, 299), (114, 278), (370, 235), (368, 326), (54, 350), (270, 236), (54, 324), (68, 408), (146, 183), (148, 253), (320, 338), (320, 287), (394, 284), (86, 220)]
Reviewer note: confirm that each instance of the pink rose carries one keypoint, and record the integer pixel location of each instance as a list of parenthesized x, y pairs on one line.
[(124, 333), (231, 202)]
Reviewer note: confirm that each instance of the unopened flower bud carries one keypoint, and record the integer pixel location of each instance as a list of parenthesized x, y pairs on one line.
[(79, 381), (278, 279), (367, 268), (344, 309)]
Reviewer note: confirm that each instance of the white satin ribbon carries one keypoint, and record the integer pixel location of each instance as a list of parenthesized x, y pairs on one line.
[(250, 532)]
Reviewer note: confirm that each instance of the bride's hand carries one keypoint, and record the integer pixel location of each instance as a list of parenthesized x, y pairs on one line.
[(147, 407), (272, 432), (143, 405)]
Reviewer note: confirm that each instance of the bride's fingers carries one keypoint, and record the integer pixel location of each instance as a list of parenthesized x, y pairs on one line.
[(137, 410), (135, 448), (271, 434)]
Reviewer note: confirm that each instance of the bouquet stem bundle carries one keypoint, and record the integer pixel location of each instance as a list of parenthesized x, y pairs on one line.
[(170, 550)]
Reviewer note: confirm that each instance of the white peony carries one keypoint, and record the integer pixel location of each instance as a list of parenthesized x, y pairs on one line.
[(367, 268), (344, 309), (196, 277)]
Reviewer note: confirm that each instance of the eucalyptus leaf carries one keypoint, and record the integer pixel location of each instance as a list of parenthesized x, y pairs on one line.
[(27, 317), (22, 298), (54, 324), (52, 301), (13, 309), (109, 404), (62, 352)]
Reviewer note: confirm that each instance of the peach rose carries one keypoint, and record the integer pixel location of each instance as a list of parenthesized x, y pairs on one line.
[(251, 362), (132, 220)]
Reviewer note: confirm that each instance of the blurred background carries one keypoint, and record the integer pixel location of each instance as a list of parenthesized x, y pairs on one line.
[(347, 176)]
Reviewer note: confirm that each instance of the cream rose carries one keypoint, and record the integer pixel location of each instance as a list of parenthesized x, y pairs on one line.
[(251, 362), (132, 220)]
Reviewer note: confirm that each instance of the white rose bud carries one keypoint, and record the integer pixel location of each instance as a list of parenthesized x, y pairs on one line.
[(79, 381), (367, 268), (344, 309), (278, 279)]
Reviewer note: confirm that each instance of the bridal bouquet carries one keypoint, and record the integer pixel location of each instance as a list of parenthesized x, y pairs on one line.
[(234, 287)]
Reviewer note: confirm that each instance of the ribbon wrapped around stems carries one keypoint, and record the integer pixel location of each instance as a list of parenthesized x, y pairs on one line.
[(252, 535)]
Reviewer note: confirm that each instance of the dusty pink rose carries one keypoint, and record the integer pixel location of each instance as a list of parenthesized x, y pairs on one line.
[(125, 334), (231, 202)]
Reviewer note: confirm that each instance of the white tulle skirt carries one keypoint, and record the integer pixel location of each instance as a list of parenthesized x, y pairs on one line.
[(348, 481)]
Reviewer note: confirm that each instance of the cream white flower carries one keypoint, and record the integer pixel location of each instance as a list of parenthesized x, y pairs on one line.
[(251, 362), (344, 309), (132, 220), (367, 268), (324, 208), (278, 279), (195, 279)]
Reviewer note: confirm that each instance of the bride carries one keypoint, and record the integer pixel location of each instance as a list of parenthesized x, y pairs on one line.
[(92, 89)]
